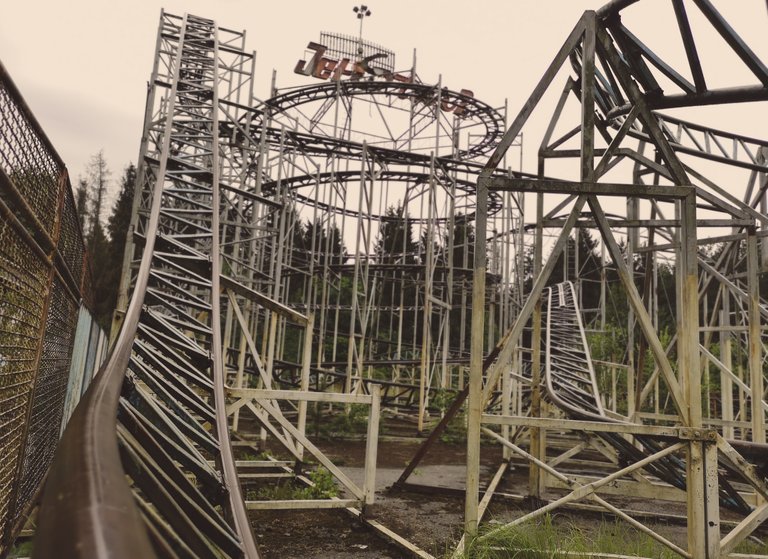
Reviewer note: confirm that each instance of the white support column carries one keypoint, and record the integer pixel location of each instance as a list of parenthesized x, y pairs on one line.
[(372, 445), (306, 360), (701, 474)]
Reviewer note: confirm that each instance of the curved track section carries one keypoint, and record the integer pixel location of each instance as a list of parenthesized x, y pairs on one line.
[(572, 386), (466, 187), (570, 376), (486, 117), (145, 468)]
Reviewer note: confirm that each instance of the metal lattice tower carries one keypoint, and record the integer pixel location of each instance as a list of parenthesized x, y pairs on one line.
[(165, 378)]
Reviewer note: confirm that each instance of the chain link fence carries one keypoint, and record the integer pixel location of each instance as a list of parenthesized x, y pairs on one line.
[(50, 346)]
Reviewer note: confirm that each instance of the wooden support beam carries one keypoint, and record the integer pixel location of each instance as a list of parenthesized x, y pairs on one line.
[(475, 385), (754, 344), (736, 43), (299, 504)]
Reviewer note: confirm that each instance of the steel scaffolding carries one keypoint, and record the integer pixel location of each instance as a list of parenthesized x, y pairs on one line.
[(363, 241)]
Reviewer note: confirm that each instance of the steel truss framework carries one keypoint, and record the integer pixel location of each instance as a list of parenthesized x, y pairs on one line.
[(715, 460), (146, 465), (342, 170), (230, 324), (223, 183)]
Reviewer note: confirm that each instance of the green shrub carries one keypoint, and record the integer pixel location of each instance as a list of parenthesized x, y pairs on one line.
[(324, 488)]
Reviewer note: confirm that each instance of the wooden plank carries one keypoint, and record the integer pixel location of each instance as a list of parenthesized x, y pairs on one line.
[(636, 97), (738, 45), (301, 439), (603, 166), (587, 156), (754, 344), (690, 46), (300, 504), (747, 470), (730, 541), (263, 418), (654, 59), (627, 488), (712, 500), (486, 500), (394, 537), (245, 329), (580, 491)]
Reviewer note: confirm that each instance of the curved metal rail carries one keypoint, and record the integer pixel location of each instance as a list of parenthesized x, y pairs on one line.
[(473, 109), (134, 474), (572, 386)]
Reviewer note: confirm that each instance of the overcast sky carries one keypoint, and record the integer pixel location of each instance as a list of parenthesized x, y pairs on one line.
[(82, 65)]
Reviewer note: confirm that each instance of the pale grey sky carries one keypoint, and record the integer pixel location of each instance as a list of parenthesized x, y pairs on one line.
[(82, 65)]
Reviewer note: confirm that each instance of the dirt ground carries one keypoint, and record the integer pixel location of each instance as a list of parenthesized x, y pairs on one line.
[(431, 521)]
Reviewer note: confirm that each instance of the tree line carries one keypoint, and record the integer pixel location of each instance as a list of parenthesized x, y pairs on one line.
[(104, 229)]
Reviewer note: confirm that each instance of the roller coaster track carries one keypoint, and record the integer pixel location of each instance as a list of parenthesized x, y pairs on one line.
[(486, 116), (572, 386), (145, 468)]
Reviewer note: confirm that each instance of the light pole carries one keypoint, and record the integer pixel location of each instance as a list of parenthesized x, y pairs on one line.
[(362, 12)]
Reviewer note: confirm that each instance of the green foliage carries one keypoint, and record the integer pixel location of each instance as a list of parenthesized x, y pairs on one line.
[(102, 266), (81, 203), (324, 487), (98, 183), (442, 399), (105, 245), (355, 420), (395, 243), (21, 549), (456, 430), (750, 547), (548, 539)]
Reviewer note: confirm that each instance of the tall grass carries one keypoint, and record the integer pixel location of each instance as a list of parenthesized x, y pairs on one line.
[(546, 539)]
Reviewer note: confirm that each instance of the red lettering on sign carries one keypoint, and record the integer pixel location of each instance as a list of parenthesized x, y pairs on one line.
[(325, 68), (309, 69)]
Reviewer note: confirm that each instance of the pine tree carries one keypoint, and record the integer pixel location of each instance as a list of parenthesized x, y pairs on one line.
[(329, 246), (96, 242), (120, 220), (81, 204), (398, 286), (395, 243), (98, 180), (117, 229)]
